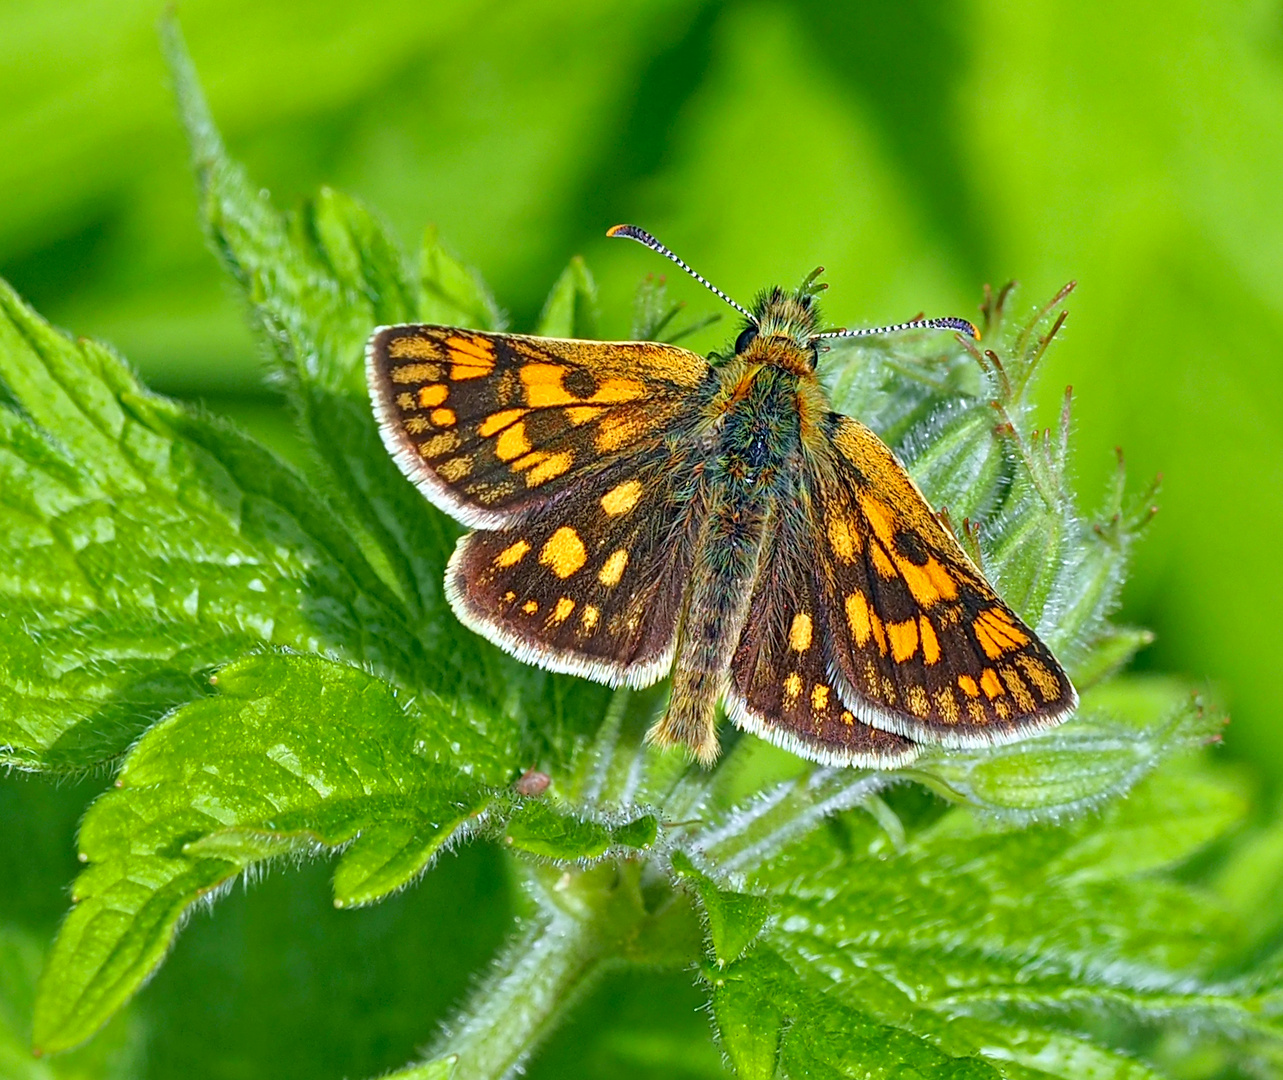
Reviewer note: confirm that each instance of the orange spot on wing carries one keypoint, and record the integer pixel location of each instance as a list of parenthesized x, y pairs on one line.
[(800, 632), (563, 552), (443, 442), (412, 347), (1019, 691), (432, 396), (499, 420), (997, 633), (618, 391), (543, 385), (414, 373), (843, 539), (512, 443), (819, 697), (470, 358), (881, 561), (552, 466), (582, 414), (512, 555), (443, 417), (904, 639), (792, 688), (612, 569), (880, 518), (968, 686), (473, 348), (990, 685), (455, 469), (1046, 683), (930, 643), (621, 498), (615, 432), (858, 617), (929, 583)]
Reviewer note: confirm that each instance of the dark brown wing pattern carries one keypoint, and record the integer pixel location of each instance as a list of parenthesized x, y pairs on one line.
[(782, 689), (921, 644), (490, 425), (592, 586)]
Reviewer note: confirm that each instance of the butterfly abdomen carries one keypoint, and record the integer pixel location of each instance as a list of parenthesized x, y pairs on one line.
[(715, 608), (754, 446)]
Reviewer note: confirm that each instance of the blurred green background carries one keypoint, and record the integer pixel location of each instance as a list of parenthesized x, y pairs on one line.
[(916, 149)]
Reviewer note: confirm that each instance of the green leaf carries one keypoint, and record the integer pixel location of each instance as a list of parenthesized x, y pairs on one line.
[(117, 1054), (1014, 943), (750, 1013), (143, 545), (1109, 654), (538, 828), (293, 754), (451, 294), (429, 1070), (772, 1023), (734, 918), (571, 308), (1122, 732)]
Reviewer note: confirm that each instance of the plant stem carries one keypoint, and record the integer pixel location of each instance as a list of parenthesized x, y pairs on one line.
[(584, 920), (511, 1012)]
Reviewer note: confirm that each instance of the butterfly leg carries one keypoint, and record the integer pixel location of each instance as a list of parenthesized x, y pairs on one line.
[(715, 609)]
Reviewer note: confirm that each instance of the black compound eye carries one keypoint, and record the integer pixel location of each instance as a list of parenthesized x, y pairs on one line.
[(745, 339)]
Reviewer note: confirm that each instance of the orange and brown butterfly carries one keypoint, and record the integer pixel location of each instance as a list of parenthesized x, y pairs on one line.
[(639, 509)]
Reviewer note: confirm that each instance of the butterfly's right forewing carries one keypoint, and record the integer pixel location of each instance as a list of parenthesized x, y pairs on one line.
[(921, 643)]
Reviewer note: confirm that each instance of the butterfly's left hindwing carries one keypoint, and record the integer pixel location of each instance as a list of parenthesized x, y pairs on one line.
[(591, 585), (490, 426)]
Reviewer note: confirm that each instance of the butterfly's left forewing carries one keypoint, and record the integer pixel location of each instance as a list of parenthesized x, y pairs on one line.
[(490, 426)]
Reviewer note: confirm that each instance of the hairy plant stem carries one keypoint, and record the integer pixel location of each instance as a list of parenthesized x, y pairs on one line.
[(584, 921)]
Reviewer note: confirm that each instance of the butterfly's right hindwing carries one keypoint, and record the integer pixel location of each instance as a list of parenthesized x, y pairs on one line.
[(782, 689), (489, 426)]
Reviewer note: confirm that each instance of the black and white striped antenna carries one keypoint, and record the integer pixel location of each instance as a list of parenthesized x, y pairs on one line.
[(643, 237), (949, 322), (633, 232)]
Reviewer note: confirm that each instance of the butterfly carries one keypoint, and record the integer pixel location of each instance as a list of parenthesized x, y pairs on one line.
[(638, 509)]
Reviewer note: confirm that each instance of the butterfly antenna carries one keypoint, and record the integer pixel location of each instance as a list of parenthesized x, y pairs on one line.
[(948, 323), (643, 237)]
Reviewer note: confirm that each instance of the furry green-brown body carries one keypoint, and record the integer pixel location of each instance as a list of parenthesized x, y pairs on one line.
[(753, 443)]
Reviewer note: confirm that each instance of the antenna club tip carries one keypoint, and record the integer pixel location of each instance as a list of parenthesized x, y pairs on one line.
[(632, 232), (615, 230)]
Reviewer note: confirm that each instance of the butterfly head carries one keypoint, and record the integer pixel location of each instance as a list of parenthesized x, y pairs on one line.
[(783, 325)]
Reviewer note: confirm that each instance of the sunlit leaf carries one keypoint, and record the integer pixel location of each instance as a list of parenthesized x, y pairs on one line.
[(292, 755)]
